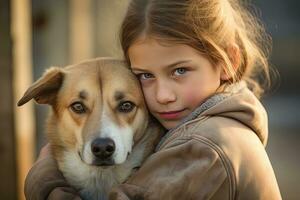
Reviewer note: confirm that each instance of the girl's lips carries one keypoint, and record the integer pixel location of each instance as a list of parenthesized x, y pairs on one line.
[(171, 114)]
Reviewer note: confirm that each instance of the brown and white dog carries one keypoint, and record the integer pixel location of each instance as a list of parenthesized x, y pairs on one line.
[(99, 128)]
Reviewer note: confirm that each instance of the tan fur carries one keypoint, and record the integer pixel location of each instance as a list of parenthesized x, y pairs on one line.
[(100, 84)]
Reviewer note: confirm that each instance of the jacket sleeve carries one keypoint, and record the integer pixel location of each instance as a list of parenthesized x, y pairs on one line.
[(184, 170), (45, 181)]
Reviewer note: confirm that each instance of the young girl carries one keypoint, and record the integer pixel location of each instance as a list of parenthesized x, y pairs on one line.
[(197, 61)]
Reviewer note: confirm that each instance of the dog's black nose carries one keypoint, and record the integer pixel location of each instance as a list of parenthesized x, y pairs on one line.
[(103, 148)]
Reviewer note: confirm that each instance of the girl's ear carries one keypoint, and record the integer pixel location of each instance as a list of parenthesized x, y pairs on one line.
[(233, 52), (44, 90)]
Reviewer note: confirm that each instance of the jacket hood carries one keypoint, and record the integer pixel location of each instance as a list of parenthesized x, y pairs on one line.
[(241, 104), (236, 102)]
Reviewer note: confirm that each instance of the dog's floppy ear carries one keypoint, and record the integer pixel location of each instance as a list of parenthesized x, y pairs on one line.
[(44, 90)]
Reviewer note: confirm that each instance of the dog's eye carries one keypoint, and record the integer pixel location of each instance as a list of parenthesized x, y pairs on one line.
[(78, 108), (126, 106)]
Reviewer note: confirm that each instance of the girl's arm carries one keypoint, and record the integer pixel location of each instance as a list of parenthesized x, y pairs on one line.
[(184, 170), (45, 181)]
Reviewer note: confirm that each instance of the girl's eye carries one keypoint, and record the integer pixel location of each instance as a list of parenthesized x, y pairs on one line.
[(180, 71), (145, 76), (78, 108)]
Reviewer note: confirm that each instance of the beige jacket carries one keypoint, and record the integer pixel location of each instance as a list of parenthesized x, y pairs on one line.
[(218, 153)]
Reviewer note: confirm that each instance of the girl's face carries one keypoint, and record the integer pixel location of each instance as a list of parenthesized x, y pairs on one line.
[(175, 78)]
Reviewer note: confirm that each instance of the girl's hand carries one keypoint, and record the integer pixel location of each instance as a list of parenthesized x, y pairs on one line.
[(127, 192), (45, 152)]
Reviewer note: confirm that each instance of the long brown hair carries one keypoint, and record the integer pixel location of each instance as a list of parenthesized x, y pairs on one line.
[(211, 27)]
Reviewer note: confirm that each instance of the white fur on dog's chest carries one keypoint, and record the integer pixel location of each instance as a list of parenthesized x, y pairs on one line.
[(93, 182)]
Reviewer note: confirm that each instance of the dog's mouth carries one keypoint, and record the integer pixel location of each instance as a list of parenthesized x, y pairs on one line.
[(103, 163), (98, 162)]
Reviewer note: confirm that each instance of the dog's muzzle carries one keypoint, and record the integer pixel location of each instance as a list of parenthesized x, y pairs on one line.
[(103, 149)]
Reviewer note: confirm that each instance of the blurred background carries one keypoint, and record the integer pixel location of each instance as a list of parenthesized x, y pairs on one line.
[(37, 34)]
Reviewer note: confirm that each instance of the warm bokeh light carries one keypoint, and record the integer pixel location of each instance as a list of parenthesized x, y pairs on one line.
[(22, 65), (81, 30)]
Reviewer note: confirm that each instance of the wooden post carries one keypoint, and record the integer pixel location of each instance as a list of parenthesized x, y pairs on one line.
[(81, 30), (22, 76), (7, 138)]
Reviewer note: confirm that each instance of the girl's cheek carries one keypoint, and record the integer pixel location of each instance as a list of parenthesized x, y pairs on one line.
[(192, 97)]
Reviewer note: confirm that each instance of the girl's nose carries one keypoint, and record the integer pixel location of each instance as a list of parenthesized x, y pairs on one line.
[(165, 93)]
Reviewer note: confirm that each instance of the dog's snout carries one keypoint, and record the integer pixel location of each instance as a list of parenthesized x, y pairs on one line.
[(103, 148)]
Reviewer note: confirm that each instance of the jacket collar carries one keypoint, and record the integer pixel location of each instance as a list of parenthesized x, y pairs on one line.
[(209, 103)]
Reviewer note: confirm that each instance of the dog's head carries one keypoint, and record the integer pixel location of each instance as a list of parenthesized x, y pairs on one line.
[(98, 110)]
